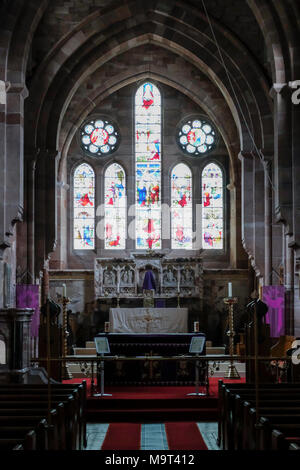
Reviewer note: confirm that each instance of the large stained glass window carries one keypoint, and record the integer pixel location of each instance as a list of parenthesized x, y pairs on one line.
[(115, 207), (181, 207), (84, 208), (148, 166), (212, 207)]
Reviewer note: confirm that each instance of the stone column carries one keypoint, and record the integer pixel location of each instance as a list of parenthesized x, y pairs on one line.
[(268, 222), (45, 283), (15, 330), (289, 286), (247, 197), (30, 187)]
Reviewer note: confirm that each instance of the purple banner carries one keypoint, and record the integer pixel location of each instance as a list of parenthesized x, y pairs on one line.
[(274, 297), (27, 296)]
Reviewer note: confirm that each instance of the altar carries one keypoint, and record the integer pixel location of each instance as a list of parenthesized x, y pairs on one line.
[(148, 320)]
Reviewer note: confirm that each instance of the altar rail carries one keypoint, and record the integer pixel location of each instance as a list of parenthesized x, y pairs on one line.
[(90, 364)]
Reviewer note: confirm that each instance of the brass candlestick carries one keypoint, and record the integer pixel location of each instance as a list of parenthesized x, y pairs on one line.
[(66, 374), (231, 373)]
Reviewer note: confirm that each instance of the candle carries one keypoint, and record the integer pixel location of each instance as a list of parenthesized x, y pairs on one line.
[(64, 290), (229, 289)]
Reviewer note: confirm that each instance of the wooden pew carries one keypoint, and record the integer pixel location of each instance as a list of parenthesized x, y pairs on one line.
[(243, 416), (35, 421), (28, 442), (288, 425), (77, 390), (69, 407), (15, 432), (227, 393), (230, 417), (240, 388), (294, 446), (56, 415)]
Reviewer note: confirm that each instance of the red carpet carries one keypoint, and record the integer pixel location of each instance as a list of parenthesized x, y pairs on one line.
[(147, 404), (184, 436), (151, 392), (122, 436)]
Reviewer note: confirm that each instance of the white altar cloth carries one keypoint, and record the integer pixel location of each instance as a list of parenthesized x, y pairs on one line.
[(148, 320)]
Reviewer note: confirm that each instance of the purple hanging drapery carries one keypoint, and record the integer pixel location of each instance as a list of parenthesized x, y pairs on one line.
[(149, 281), (27, 296), (274, 297)]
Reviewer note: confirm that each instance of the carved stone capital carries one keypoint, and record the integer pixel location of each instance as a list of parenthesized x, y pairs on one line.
[(277, 89), (18, 88), (243, 155)]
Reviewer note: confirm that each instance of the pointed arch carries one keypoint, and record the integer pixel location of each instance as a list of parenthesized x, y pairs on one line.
[(181, 207), (115, 207), (148, 166), (84, 207), (212, 207)]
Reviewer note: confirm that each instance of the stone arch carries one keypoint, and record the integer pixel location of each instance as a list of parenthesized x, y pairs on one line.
[(217, 67)]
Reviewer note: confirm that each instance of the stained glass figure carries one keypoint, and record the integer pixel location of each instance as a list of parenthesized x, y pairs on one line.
[(115, 207), (196, 137), (148, 166), (99, 137), (84, 208), (181, 207), (212, 208)]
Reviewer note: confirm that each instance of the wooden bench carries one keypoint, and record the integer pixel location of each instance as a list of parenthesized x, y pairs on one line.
[(77, 390), (228, 414), (28, 442), (294, 446), (69, 413), (35, 422), (244, 416), (57, 417), (240, 388), (288, 425), (231, 417)]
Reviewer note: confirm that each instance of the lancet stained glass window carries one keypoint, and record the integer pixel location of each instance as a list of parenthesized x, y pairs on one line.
[(212, 207), (84, 207), (181, 207), (148, 166), (115, 207)]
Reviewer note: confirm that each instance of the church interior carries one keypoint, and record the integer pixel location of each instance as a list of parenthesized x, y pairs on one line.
[(149, 225)]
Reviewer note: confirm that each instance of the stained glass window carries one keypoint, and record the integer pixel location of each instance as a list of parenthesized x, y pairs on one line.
[(212, 207), (196, 137), (181, 207), (115, 207), (99, 137), (84, 208), (148, 166)]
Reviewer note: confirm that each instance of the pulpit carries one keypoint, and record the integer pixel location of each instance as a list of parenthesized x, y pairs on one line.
[(150, 372)]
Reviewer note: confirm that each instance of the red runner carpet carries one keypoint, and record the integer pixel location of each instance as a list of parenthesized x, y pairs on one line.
[(155, 391), (122, 436), (184, 436)]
